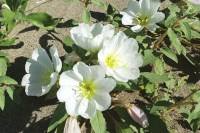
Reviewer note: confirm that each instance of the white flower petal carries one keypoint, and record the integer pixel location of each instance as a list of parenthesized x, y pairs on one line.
[(30, 78), (53, 80), (108, 31), (83, 70), (152, 27), (127, 19), (69, 78), (33, 90), (105, 85), (41, 56), (137, 28), (154, 5), (96, 29), (124, 74), (33, 66), (97, 72), (64, 93), (56, 60), (72, 105), (87, 108), (102, 101), (157, 17), (145, 7), (133, 6)]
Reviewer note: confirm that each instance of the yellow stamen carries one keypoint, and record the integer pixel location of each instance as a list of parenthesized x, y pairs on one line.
[(87, 89), (112, 61), (142, 20)]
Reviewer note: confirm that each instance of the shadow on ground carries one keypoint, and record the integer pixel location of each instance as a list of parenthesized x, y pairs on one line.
[(24, 114)]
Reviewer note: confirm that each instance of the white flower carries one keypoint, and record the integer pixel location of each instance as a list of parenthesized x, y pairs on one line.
[(120, 58), (142, 14), (42, 72), (91, 37), (85, 90)]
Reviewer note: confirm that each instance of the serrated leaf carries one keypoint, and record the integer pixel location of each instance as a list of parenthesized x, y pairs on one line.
[(42, 20), (174, 41), (59, 116), (169, 53), (155, 78), (86, 15), (185, 27), (2, 98), (98, 123), (10, 91), (3, 66), (7, 80)]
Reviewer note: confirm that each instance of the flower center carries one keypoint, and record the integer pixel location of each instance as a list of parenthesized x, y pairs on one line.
[(45, 79), (87, 89), (112, 61), (142, 20)]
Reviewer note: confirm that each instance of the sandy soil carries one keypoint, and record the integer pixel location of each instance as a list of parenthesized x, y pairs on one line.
[(32, 114)]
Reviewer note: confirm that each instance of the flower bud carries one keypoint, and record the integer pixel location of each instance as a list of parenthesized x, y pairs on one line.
[(138, 115), (72, 126)]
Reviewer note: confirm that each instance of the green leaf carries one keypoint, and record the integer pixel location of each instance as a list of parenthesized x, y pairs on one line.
[(169, 53), (3, 66), (2, 98), (42, 20), (8, 19), (171, 19), (68, 41), (159, 106), (7, 80), (159, 67), (194, 118), (2, 54), (185, 27), (122, 127), (149, 57), (7, 42), (155, 78), (99, 3), (110, 10), (86, 15), (98, 123), (150, 88), (10, 91), (60, 115), (174, 40)]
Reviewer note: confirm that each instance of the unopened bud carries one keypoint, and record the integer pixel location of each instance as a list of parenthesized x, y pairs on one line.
[(72, 126), (138, 115)]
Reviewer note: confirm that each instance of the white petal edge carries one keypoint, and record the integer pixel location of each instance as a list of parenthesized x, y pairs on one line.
[(55, 58)]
